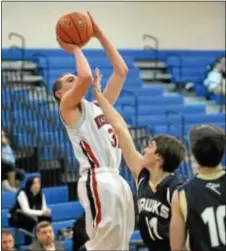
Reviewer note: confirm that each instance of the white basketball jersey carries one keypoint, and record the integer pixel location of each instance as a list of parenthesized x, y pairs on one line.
[(93, 140)]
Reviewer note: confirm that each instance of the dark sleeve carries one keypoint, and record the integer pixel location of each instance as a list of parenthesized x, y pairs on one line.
[(144, 173)]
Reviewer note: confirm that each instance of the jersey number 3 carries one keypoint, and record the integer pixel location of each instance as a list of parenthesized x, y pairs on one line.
[(114, 142), (215, 219), (152, 225)]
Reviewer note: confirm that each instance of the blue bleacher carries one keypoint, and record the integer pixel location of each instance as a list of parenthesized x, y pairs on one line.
[(56, 195), (4, 218), (66, 211), (175, 119), (56, 137), (67, 245), (153, 110), (25, 140), (53, 195), (158, 101), (135, 237), (8, 199)]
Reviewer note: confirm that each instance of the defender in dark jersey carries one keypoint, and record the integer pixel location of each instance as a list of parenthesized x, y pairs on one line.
[(199, 208), (153, 173)]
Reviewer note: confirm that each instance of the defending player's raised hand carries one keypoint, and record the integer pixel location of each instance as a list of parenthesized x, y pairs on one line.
[(97, 82), (71, 48)]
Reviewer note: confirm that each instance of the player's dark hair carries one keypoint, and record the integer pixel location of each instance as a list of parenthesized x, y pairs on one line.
[(207, 145), (171, 150), (57, 86)]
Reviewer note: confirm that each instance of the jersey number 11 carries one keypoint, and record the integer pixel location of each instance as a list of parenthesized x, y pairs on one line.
[(152, 225)]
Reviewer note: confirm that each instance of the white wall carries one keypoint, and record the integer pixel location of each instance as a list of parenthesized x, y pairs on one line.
[(178, 25)]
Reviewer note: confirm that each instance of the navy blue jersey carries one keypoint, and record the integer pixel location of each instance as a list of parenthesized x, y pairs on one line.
[(206, 208), (154, 209)]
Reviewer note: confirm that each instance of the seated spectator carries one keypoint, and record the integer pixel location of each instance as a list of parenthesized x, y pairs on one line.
[(45, 239), (11, 176), (7, 240), (215, 81), (30, 207)]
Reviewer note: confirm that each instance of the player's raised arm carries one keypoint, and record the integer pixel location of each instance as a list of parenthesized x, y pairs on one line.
[(81, 83), (177, 225), (118, 76), (133, 158)]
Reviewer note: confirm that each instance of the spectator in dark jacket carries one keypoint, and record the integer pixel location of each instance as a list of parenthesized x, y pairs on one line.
[(30, 207)]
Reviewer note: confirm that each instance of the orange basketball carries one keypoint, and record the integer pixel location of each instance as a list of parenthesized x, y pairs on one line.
[(75, 28)]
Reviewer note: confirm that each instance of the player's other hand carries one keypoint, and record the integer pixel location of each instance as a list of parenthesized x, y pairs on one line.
[(66, 46), (96, 28), (97, 84)]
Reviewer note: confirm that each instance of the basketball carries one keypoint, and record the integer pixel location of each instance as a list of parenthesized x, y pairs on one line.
[(75, 28)]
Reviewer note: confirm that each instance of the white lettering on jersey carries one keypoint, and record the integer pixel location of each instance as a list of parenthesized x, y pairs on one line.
[(138, 185), (213, 187), (153, 206), (100, 121)]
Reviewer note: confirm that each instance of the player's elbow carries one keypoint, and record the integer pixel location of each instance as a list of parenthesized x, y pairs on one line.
[(122, 71), (119, 128), (84, 82), (86, 79)]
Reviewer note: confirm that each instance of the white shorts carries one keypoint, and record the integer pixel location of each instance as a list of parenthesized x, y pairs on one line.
[(109, 209)]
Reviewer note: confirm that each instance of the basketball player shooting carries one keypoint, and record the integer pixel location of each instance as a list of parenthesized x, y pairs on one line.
[(153, 173), (104, 194)]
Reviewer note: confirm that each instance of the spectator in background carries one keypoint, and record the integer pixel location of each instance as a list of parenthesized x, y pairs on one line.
[(7, 240), (11, 176), (30, 207), (215, 81), (45, 239)]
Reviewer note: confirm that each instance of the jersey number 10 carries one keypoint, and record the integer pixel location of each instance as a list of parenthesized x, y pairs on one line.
[(215, 219)]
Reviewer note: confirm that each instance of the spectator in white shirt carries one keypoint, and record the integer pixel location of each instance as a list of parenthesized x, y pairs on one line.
[(215, 82), (11, 176), (30, 207)]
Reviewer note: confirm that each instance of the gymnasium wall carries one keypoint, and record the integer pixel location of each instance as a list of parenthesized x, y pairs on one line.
[(178, 25)]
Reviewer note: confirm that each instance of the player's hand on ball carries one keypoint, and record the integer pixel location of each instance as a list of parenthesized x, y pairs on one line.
[(97, 80), (96, 29), (67, 47)]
